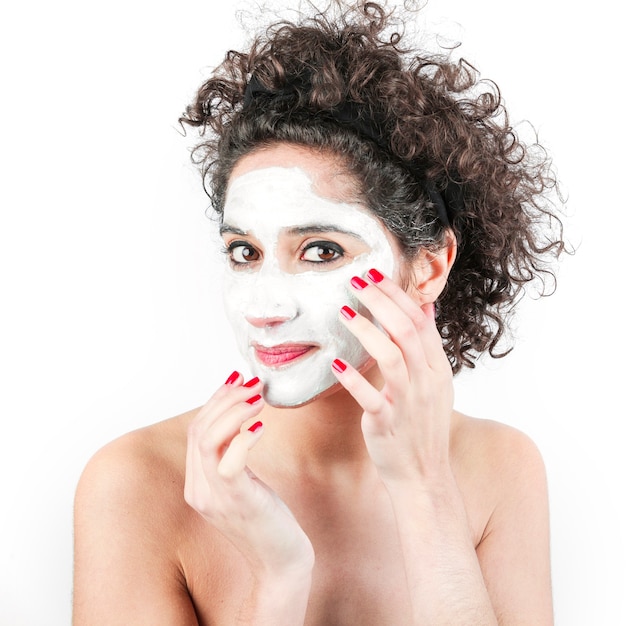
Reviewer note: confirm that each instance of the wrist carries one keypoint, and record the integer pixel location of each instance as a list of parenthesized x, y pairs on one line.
[(295, 574), (420, 496), (278, 599), (297, 565), (433, 481)]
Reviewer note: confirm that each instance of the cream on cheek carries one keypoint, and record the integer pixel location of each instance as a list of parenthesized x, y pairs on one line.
[(306, 304)]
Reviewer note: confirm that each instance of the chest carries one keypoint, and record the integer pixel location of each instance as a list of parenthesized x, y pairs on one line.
[(358, 577)]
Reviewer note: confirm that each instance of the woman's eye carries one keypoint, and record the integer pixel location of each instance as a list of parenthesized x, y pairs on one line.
[(322, 252), (242, 253)]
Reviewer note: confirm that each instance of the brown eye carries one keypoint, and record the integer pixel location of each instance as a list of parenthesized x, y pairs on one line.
[(243, 253), (322, 252)]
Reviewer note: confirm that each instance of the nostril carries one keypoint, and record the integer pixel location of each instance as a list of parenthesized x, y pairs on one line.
[(264, 322)]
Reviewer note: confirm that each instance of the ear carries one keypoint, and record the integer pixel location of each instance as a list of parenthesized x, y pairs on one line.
[(429, 270)]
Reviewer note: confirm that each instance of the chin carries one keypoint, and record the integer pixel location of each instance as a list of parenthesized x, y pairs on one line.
[(284, 401)]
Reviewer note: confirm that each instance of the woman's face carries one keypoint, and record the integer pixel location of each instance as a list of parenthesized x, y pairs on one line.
[(294, 236)]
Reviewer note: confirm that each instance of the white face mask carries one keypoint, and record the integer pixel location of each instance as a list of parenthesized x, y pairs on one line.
[(282, 305)]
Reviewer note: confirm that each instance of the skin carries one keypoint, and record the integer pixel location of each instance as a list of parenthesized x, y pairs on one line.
[(284, 284), (376, 503)]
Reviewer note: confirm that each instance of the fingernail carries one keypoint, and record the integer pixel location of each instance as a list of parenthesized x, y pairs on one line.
[(347, 312), (253, 399), (255, 427), (375, 276), (339, 366), (252, 382), (232, 378), (358, 283)]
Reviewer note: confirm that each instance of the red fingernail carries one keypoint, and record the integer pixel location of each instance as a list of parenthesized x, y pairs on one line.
[(347, 312), (255, 427), (253, 399), (358, 283), (375, 276), (252, 382), (232, 378), (339, 366)]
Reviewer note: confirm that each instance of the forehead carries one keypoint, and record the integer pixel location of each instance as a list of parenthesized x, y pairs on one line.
[(279, 189), (327, 175)]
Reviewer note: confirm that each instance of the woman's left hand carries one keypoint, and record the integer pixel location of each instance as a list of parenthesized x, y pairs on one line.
[(406, 424)]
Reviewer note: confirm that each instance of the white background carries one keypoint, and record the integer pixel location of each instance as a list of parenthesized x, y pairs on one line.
[(110, 309)]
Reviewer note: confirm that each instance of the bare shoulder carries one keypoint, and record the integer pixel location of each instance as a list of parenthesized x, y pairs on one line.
[(128, 521), (150, 457), (502, 476), (494, 450), (129, 479), (500, 472)]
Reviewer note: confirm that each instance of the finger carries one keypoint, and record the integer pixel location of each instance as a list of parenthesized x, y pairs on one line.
[(197, 492), (404, 320), (394, 291), (203, 455), (396, 323), (370, 399), (216, 439), (423, 317), (233, 463), (214, 406), (390, 358), (227, 396)]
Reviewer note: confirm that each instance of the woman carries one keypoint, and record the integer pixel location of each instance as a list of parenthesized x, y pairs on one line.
[(379, 217)]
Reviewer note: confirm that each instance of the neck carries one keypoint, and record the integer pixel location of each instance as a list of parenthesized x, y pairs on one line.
[(322, 437)]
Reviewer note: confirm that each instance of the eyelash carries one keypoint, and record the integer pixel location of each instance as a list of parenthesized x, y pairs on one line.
[(232, 246), (324, 245)]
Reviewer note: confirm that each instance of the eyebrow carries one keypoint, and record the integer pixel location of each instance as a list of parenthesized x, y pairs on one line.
[(322, 228), (298, 230), (225, 228)]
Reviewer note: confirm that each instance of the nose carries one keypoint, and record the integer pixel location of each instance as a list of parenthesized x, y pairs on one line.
[(271, 301), (265, 322)]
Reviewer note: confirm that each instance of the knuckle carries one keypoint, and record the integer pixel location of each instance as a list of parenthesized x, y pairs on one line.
[(226, 472), (392, 359), (194, 430), (206, 446), (377, 406), (420, 322), (405, 331)]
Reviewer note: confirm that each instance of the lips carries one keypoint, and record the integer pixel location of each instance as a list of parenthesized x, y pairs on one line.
[(283, 354)]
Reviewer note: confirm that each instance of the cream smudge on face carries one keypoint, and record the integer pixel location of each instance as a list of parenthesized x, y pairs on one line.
[(296, 333)]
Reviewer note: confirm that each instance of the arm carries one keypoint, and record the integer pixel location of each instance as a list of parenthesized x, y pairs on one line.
[(406, 427), (223, 490), (507, 576), (443, 572), (514, 552), (129, 512), (276, 600)]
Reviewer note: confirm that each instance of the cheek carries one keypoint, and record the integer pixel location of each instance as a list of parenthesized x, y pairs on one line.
[(233, 292), (320, 298), (380, 257), (319, 292), (236, 300)]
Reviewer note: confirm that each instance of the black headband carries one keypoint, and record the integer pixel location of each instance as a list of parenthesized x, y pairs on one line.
[(448, 202)]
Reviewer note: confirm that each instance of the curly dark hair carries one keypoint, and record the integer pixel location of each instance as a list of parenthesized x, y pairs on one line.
[(437, 118)]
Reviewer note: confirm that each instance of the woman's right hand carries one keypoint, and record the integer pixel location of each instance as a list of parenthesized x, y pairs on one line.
[(220, 486)]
